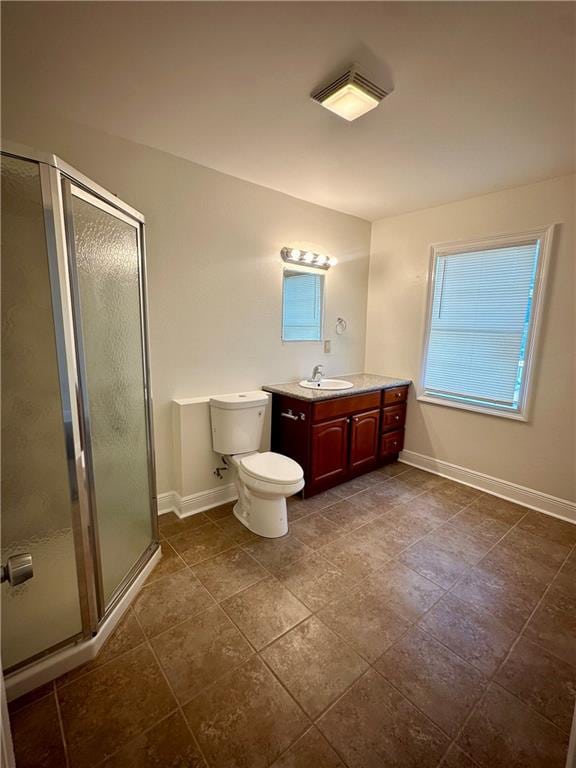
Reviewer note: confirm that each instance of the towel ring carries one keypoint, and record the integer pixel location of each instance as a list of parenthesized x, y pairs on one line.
[(341, 326)]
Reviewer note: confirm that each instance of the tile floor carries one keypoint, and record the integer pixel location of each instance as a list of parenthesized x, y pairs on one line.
[(405, 621)]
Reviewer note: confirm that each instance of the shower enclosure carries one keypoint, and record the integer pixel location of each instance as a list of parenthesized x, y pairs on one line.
[(78, 493)]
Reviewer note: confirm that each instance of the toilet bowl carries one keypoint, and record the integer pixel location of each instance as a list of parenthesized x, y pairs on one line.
[(263, 480)]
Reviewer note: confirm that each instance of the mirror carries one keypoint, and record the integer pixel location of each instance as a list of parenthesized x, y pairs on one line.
[(302, 306)]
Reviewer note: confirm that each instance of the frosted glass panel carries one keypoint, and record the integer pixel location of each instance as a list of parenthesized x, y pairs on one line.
[(107, 263), (36, 506)]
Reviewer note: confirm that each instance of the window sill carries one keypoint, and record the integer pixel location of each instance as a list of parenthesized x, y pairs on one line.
[(515, 415)]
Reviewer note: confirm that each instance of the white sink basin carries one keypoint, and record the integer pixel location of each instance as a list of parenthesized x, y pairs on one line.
[(326, 384)]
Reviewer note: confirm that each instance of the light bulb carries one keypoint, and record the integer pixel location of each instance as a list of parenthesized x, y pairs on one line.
[(309, 257), (332, 261), (320, 259), (295, 254)]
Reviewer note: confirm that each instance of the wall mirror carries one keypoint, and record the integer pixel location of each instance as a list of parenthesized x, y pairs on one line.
[(302, 306)]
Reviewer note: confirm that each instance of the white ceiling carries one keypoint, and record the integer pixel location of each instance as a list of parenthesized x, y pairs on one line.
[(483, 92)]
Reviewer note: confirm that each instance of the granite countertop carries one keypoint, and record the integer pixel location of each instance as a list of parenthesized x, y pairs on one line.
[(363, 382)]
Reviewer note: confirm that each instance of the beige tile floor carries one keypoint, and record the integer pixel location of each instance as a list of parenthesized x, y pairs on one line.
[(405, 621)]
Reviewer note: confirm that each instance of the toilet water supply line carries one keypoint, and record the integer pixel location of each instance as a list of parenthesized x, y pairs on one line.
[(218, 471)]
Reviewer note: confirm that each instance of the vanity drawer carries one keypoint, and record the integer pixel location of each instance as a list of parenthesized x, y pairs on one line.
[(343, 406), (395, 395), (391, 442), (393, 417)]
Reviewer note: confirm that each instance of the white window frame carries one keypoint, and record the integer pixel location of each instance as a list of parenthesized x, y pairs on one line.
[(545, 237)]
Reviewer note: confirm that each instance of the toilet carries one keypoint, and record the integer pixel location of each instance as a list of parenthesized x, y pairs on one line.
[(263, 480)]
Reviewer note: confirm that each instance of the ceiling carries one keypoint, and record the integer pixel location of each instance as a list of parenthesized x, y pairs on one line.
[(483, 93)]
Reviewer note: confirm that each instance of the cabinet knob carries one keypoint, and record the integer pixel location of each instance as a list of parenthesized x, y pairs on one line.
[(355, 418), (397, 418)]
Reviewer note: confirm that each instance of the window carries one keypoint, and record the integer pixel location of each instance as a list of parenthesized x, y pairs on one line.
[(302, 306), (483, 312)]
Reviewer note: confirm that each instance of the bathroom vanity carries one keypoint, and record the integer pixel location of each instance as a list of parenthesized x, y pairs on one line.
[(338, 435)]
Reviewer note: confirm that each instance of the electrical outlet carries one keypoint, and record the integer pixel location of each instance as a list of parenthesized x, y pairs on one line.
[(327, 346)]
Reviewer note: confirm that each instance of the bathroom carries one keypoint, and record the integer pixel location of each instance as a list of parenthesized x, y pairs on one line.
[(419, 609)]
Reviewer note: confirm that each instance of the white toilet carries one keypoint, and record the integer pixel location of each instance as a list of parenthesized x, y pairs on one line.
[(263, 480)]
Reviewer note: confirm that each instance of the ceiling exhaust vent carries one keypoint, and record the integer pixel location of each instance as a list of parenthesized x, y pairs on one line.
[(350, 95)]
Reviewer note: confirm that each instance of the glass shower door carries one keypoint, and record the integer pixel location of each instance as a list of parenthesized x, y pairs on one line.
[(38, 497), (107, 284)]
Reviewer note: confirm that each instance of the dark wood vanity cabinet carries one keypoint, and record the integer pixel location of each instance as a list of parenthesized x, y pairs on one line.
[(337, 439)]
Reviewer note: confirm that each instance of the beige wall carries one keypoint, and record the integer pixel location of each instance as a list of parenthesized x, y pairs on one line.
[(215, 297), (215, 273), (538, 454)]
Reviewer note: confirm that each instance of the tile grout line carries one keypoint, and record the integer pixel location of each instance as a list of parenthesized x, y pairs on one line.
[(61, 724), (99, 666), (415, 624), (489, 679), (492, 679), (412, 625), (257, 654), (272, 574), (133, 738), (357, 582), (243, 545), (176, 699), (319, 511)]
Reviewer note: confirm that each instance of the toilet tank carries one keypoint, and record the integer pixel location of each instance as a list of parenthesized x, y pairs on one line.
[(238, 421)]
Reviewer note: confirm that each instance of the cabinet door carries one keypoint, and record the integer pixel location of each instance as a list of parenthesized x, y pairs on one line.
[(364, 440), (329, 450)]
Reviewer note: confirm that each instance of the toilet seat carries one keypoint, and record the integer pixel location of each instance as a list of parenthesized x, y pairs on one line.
[(270, 467)]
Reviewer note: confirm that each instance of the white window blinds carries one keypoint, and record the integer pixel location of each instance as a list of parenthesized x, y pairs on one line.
[(479, 325), (302, 307)]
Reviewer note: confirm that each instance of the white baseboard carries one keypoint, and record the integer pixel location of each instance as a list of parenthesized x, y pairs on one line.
[(184, 506), (528, 497), (166, 502), (67, 659)]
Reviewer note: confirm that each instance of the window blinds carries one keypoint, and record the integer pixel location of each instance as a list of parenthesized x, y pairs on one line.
[(479, 324), (302, 307)]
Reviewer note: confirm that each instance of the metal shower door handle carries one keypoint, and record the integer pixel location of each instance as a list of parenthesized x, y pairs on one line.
[(17, 570)]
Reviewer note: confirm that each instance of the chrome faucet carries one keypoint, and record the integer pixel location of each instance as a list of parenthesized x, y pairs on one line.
[(317, 373)]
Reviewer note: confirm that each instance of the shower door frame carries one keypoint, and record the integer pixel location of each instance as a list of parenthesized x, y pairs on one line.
[(56, 181)]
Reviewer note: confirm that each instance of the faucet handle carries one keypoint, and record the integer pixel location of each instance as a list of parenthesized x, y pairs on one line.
[(317, 372)]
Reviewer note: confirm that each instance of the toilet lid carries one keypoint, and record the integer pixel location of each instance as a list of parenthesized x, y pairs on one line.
[(272, 467)]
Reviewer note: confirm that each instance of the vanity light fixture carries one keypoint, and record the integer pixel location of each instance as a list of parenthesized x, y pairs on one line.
[(308, 258), (351, 95)]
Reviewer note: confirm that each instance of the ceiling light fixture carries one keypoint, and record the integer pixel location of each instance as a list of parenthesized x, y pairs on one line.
[(308, 258), (351, 95)]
